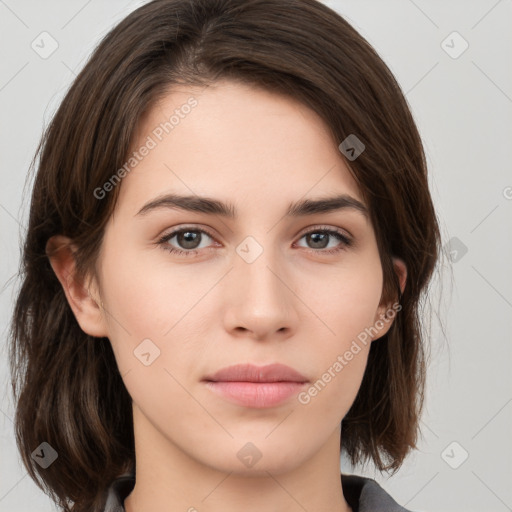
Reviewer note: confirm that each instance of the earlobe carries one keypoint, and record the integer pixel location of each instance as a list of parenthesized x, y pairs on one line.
[(85, 307)]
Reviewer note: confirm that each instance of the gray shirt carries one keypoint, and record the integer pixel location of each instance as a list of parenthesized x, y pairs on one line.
[(361, 493)]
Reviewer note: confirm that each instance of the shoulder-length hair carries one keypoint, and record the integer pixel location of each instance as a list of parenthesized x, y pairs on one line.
[(67, 386)]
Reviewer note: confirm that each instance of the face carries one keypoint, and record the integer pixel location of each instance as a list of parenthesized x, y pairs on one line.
[(188, 293)]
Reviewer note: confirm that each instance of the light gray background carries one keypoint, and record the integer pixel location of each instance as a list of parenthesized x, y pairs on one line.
[(463, 107)]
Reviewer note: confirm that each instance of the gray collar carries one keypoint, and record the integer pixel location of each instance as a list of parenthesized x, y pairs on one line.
[(362, 494)]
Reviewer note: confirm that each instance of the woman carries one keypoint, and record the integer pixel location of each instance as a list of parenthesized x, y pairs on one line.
[(230, 232)]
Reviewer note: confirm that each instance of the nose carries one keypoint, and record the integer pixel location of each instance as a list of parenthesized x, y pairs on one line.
[(259, 299)]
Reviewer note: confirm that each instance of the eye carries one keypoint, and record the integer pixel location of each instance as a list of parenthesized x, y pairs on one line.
[(189, 239), (321, 237)]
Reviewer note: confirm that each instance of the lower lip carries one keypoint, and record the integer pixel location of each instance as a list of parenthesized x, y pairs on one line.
[(256, 394)]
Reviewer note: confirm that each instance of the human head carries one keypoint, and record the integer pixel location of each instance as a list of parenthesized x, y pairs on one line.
[(318, 60)]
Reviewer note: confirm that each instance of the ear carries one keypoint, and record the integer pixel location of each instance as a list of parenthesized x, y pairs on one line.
[(85, 307), (386, 312)]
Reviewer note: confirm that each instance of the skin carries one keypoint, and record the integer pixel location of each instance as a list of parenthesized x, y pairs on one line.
[(293, 304)]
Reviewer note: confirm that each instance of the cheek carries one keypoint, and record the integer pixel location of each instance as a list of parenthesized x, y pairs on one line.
[(148, 300), (347, 301), (347, 308)]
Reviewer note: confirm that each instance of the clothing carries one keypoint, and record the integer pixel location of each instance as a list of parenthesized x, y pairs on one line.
[(361, 493)]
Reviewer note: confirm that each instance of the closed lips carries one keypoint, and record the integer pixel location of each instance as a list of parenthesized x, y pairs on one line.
[(251, 373)]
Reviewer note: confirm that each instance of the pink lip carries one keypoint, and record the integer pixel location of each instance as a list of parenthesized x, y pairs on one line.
[(256, 386)]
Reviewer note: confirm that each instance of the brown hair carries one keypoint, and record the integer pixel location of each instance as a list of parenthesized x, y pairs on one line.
[(66, 383)]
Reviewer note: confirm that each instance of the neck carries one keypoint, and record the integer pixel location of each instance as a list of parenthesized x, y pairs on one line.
[(168, 478)]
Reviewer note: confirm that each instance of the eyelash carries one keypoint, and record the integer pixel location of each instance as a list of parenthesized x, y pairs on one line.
[(345, 241)]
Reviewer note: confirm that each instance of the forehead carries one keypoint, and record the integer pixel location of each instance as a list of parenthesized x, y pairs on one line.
[(234, 140)]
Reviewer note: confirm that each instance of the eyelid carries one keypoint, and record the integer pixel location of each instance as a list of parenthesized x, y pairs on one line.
[(324, 227), (174, 231)]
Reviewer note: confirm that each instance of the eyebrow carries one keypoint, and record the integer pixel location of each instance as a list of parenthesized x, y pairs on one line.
[(212, 206)]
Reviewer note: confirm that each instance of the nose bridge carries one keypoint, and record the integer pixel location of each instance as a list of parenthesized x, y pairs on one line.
[(256, 266), (262, 302)]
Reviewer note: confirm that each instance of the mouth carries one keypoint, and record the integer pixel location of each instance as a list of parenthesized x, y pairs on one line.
[(256, 386), (251, 373)]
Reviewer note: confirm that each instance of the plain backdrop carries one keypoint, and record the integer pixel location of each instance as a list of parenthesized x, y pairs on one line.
[(452, 60)]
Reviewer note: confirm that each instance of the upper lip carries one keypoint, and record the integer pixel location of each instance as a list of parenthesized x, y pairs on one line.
[(251, 373)]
